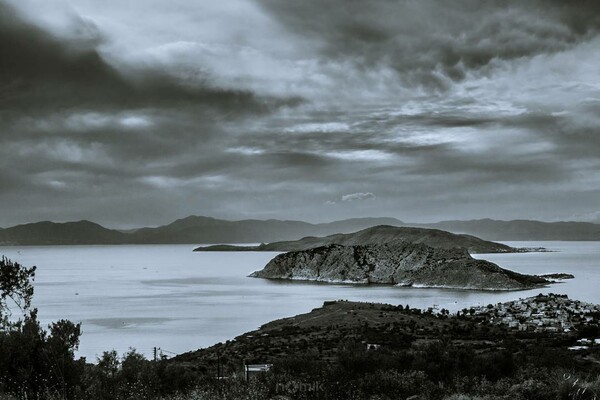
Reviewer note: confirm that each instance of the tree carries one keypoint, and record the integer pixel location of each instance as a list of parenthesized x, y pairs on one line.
[(16, 291), (138, 375), (60, 346), (106, 376), (33, 363), (109, 363)]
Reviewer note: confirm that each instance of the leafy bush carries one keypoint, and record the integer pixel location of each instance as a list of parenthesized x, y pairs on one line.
[(33, 361)]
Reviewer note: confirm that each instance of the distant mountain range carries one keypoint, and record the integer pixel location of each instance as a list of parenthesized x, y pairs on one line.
[(190, 230), (521, 229), (198, 230)]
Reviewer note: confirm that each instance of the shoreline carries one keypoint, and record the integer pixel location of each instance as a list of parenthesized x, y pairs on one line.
[(400, 285)]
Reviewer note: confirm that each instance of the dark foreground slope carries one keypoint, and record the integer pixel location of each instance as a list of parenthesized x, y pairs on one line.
[(349, 350), (404, 264), (380, 235)]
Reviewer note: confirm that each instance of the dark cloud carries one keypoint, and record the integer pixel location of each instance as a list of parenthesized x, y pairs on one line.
[(444, 110), (75, 129), (39, 71), (432, 43)]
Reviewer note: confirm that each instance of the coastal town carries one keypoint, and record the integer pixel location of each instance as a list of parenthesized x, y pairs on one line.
[(552, 313)]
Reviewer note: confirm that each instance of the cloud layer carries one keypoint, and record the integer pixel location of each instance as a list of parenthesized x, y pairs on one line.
[(140, 113)]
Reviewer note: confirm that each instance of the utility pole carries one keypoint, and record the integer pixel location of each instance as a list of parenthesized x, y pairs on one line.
[(218, 366)]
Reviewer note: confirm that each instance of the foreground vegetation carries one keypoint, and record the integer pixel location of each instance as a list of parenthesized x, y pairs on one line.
[(341, 351)]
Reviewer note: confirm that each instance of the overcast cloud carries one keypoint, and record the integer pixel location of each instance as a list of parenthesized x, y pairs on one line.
[(142, 111)]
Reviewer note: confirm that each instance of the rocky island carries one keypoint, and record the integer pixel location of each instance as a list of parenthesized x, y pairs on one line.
[(558, 276), (397, 263), (378, 235)]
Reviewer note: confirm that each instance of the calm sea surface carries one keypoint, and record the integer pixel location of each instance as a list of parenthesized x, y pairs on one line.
[(170, 297)]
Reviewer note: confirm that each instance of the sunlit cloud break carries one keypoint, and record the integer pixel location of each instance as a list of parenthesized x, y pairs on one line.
[(358, 196)]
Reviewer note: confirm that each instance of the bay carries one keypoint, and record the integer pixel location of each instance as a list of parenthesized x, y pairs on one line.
[(167, 296)]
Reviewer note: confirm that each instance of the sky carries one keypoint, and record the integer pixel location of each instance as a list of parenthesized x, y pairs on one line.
[(138, 112)]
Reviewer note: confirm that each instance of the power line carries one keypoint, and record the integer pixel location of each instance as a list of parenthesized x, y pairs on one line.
[(156, 351)]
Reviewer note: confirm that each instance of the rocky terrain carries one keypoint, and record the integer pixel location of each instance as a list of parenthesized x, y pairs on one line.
[(379, 235), (558, 276), (398, 263)]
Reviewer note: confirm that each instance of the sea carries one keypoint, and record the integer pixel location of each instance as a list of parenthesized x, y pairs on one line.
[(177, 300)]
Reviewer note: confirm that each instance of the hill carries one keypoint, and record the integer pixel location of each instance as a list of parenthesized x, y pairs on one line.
[(378, 235), (353, 350), (396, 263), (52, 233)]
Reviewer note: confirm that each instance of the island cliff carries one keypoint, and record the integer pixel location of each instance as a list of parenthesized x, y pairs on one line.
[(399, 263)]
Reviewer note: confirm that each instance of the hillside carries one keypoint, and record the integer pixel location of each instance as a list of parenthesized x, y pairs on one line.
[(379, 235), (403, 264), (419, 340), (52, 233)]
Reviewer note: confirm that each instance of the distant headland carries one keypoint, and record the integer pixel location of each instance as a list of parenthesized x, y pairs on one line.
[(377, 235)]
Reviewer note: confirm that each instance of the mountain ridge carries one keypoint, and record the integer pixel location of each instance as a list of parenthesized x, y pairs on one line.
[(521, 229), (208, 230), (49, 233)]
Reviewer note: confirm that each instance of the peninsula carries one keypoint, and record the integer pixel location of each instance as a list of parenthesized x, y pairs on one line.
[(402, 352), (379, 235)]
